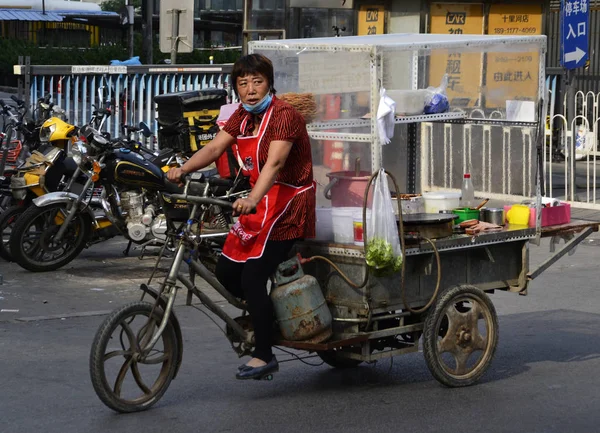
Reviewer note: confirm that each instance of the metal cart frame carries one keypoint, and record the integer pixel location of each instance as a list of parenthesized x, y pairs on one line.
[(386, 317)]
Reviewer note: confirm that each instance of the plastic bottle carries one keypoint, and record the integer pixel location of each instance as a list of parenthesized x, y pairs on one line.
[(467, 198)]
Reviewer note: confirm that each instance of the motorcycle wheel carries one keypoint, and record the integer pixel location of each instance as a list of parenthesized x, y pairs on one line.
[(125, 379), (8, 218), (32, 243)]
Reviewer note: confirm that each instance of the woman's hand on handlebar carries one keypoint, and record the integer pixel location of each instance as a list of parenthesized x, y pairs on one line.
[(244, 206), (175, 175)]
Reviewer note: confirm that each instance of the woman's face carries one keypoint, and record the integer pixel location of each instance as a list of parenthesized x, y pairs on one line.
[(252, 88)]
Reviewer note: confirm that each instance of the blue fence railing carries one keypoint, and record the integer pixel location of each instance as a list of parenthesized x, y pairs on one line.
[(131, 89)]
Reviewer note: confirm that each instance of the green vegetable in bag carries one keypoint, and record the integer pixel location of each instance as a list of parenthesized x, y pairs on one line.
[(380, 258)]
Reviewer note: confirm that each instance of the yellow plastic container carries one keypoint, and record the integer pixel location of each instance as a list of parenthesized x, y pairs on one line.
[(518, 215)]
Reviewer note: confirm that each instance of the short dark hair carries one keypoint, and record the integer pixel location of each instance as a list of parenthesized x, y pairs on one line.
[(253, 64)]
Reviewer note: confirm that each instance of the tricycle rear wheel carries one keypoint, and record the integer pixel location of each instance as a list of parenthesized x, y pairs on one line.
[(140, 379), (460, 336)]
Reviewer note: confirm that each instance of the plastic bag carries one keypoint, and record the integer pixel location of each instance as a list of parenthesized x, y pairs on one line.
[(133, 61), (383, 251), (436, 99)]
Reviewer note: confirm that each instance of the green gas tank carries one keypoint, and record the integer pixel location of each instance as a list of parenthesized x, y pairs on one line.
[(300, 307)]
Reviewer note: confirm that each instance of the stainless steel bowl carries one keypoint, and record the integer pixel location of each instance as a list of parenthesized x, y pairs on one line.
[(492, 215)]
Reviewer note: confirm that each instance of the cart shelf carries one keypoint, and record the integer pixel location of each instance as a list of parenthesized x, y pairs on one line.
[(366, 122), (574, 226), (315, 128), (454, 242), (463, 241)]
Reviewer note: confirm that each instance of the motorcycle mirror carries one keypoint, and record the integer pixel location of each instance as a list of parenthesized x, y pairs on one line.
[(145, 129), (100, 92)]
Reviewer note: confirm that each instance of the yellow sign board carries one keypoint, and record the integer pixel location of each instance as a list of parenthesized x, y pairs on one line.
[(512, 75), (463, 69), (371, 20)]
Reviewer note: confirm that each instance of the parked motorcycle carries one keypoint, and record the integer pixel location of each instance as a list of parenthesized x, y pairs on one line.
[(135, 201), (18, 121), (12, 151), (47, 169)]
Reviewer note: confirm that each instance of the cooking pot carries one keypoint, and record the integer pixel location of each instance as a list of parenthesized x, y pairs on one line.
[(410, 203), (430, 226), (493, 215), (347, 188)]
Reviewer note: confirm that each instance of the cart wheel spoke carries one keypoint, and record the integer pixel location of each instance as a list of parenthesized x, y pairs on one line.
[(114, 353), (447, 344), (473, 315), (121, 376), (479, 343), (462, 357), (156, 360), (138, 378), (130, 336), (455, 317)]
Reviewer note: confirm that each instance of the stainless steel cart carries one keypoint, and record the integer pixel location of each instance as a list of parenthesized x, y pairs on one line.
[(442, 293)]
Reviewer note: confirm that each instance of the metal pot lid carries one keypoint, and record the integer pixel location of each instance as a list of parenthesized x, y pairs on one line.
[(428, 218)]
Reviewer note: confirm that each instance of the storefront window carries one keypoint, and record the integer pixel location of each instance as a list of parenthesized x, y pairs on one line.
[(267, 15), (318, 23)]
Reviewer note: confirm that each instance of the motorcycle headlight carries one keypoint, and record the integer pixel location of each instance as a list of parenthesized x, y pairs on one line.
[(46, 132), (79, 153)]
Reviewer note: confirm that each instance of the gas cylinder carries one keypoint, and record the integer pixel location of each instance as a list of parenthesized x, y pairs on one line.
[(300, 307)]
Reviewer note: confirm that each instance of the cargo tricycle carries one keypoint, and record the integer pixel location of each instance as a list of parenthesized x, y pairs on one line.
[(439, 300)]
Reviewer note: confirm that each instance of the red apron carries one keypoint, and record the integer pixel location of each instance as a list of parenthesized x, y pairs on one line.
[(248, 236)]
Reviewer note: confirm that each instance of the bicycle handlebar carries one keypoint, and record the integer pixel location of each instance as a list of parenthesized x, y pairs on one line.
[(18, 101)]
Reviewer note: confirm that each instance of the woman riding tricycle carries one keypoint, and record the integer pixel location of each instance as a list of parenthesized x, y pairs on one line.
[(271, 142)]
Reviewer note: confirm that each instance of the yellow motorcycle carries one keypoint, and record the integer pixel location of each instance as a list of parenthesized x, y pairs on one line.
[(48, 169)]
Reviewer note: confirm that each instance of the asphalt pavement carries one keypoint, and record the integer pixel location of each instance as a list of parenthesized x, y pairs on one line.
[(543, 378)]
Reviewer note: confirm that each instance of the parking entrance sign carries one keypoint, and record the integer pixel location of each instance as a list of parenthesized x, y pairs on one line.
[(575, 19)]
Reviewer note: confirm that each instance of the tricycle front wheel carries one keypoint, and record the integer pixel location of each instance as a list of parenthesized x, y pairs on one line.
[(460, 336), (125, 378)]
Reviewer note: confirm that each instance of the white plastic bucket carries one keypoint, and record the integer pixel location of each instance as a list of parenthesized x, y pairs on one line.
[(343, 218), (324, 224), (437, 201)]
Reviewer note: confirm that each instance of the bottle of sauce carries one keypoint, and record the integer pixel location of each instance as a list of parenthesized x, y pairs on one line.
[(467, 198)]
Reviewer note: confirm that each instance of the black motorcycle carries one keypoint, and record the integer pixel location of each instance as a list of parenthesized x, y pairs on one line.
[(135, 201)]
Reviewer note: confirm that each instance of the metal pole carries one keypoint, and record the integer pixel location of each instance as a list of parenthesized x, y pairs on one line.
[(130, 13), (245, 26), (27, 96), (147, 46), (20, 80), (570, 81), (175, 35)]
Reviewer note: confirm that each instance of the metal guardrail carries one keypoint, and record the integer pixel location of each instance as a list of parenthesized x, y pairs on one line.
[(131, 89)]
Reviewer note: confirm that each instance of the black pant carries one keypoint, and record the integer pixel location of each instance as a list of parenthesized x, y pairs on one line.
[(249, 281)]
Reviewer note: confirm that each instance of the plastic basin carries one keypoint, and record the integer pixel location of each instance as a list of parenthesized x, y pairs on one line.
[(465, 214)]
